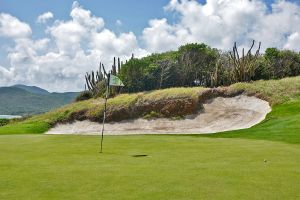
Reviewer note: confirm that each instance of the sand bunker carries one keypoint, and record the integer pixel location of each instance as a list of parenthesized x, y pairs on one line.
[(219, 114)]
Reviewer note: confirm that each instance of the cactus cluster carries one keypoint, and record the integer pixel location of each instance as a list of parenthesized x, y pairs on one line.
[(116, 68), (243, 67), (95, 81)]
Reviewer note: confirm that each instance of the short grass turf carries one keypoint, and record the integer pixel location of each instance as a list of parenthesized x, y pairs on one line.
[(176, 167)]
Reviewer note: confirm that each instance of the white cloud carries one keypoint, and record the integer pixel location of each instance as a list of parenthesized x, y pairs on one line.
[(85, 18), (293, 42), (119, 23), (44, 17), (12, 27), (74, 46), (220, 23), (69, 35), (71, 47), (6, 76)]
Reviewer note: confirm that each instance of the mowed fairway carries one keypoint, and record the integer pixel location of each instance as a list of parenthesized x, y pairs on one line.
[(258, 163)]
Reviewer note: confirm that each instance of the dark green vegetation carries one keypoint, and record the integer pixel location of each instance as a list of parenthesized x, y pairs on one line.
[(201, 65), (194, 65), (4, 122), (32, 89), (257, 163), (197, 65), (28, 100), (85, 95)]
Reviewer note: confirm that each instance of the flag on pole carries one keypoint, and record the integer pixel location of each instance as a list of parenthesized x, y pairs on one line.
[(112, 81), (115, 81)]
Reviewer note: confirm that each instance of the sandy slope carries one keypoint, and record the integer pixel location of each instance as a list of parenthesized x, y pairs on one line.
[(219, 114)]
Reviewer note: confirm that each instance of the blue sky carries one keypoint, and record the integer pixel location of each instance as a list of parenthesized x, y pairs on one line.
[(61, 48), (134, 14)]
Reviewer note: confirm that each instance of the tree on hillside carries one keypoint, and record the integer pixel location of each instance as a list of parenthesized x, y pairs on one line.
[(170, 74), (133, 74), (282, 63), (197, 62), (222, 73)]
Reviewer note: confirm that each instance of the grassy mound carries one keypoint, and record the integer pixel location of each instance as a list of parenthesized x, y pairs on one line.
[(173, 102)]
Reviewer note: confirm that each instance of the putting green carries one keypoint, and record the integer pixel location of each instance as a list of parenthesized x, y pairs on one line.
[(176, 167)]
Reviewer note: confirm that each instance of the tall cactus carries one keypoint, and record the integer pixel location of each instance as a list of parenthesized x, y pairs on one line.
[(114, 69), (119, 65), (94, 78), (244, 67)]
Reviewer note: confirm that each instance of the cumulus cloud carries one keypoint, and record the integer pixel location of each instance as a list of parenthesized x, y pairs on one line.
[(71, 47), (293, 42), (44, 17), (12, 27), (70, 34), (6, 76), (220, 23)]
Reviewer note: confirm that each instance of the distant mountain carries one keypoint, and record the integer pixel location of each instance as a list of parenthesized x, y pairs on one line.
[(28, 100), (32, 89)]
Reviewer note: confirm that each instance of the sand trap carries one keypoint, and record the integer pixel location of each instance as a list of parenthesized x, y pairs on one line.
[(219, 114)]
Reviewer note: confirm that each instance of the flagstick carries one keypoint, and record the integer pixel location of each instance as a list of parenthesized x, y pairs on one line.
[(104, 113)]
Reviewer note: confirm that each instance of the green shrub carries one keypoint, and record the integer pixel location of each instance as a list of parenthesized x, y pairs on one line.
[(85, 95), (152, 115), (4, 122), (178, 117)]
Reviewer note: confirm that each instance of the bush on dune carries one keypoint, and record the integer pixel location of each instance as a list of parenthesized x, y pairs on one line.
[(85, 95), (4, 122)]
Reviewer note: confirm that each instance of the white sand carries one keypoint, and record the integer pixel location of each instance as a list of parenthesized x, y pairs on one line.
[(219, 114)]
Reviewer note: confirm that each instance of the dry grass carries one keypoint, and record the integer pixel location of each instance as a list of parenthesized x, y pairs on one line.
[(274, 91), (172, 93)]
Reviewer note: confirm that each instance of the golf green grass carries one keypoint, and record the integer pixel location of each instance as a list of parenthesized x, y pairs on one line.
[(262, 162), (176, 167)]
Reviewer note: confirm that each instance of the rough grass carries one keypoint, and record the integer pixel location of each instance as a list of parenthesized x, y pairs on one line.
[(275, 91), (172, 93), (25, 127)]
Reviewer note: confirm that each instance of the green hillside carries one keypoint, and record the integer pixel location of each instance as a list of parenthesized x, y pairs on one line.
[(32, 89), (30, 100)]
